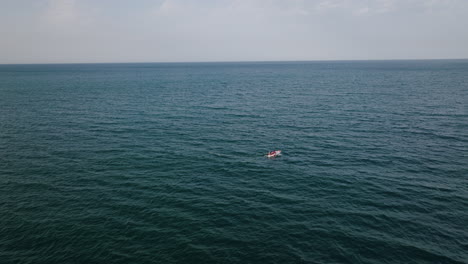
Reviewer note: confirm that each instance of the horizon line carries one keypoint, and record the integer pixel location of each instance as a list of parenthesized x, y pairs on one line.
[(232, 61)]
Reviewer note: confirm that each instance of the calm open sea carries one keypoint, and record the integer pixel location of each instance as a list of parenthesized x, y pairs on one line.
[(164, 163)]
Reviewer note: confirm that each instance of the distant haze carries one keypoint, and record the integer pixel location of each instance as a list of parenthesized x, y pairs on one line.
[(68, 31)]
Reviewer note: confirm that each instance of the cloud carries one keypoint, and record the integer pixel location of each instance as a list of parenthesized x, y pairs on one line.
[(362, 11), (60, 11), (330, 4), (229, 7)]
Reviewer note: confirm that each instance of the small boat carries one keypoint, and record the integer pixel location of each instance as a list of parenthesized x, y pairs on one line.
[(274, 153)]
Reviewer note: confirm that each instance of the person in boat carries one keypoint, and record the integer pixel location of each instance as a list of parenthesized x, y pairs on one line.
[(272, 152)]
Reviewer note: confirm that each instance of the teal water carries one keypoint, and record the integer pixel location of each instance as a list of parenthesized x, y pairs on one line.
[(163, 163)]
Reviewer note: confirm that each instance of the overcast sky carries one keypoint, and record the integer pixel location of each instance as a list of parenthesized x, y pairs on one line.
[(62, 31)]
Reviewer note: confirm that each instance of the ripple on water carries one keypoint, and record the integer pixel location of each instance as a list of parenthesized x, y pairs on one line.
[(144, 163)]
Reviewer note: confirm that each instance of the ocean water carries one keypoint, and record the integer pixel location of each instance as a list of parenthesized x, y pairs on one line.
[(164, 163)]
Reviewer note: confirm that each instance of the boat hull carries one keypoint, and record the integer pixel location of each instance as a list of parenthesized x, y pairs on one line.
[(276, 153)]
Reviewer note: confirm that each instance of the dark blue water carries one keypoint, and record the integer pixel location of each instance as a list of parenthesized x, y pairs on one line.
[(163, 163)]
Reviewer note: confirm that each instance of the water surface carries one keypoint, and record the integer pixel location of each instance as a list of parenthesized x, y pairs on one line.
[(163, 163)]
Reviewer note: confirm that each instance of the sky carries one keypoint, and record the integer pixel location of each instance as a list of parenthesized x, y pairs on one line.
[(88, 31)]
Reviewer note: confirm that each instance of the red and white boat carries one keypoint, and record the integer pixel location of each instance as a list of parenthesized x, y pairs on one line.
[(274, 153)]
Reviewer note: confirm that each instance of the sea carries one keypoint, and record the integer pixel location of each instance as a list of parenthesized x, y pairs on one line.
[(165, 162)]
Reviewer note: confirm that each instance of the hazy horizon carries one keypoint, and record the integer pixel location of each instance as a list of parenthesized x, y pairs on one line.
[(163, 31), (244, 61)]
